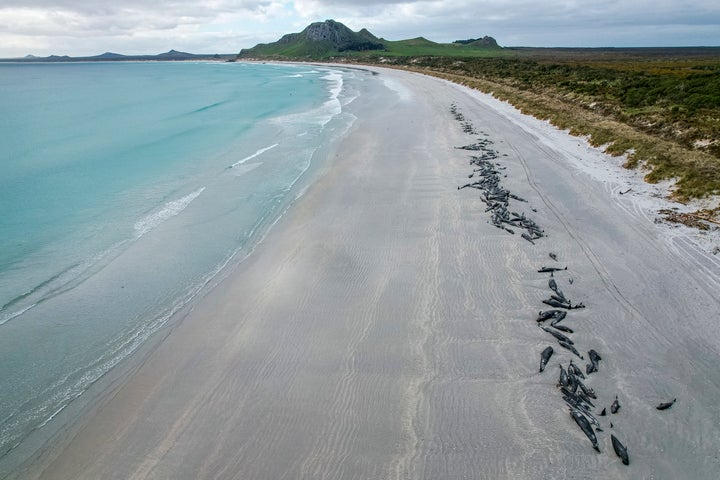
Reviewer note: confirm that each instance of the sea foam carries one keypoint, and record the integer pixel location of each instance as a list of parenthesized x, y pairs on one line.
[(169, 210), (256, 154)]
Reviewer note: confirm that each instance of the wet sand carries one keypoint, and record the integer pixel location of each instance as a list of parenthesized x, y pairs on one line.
[(386, 329)]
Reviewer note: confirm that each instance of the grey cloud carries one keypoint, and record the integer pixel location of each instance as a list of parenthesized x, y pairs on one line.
[(171, 10), (138, 25), (78, 17), (530, 12), (547, 23), (132, 26)]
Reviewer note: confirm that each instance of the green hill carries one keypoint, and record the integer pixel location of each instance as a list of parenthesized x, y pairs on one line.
[(318, 40), (322, 40), (421, 47)]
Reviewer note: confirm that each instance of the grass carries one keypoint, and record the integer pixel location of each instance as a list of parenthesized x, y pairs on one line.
[(300, 50), (419, 47)]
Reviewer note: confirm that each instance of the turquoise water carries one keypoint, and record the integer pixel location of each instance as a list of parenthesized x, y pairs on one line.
[(125, 189)]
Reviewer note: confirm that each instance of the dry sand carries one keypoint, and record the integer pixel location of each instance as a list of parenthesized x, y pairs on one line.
[(384, 329)]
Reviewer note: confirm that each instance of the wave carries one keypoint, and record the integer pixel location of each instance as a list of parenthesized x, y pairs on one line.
[(169, 210), (323, 114), (333, 105), (259, 152), (62, 393), (243, 169), (207, 107), (36, 295), (6, 318), (74, 384)]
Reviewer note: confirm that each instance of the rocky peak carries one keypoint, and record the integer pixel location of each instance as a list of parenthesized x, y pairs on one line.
[(337, 35), (329, 30)]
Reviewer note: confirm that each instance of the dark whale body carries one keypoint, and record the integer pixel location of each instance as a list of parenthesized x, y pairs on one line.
[(570, 347), (572, 368), (550, 314), (544, 357), (584, 425), (558, 335), (620, 450), (563, 381), (666, 405), (593, 365), (551, 269)]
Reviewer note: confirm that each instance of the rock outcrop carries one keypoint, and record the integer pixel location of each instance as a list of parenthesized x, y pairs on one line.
[(319, 38), (340, 37), (479, 42)]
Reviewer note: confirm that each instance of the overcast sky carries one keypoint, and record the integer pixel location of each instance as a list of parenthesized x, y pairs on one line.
[(90, 27)]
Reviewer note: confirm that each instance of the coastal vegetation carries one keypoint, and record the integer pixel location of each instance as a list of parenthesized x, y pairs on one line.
[(663, 112), (660, 108)]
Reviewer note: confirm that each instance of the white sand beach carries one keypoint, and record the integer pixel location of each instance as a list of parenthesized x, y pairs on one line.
[(385, 329)]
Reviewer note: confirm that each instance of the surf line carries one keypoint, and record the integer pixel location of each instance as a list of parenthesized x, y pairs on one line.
[(169, 210), (259, 152)]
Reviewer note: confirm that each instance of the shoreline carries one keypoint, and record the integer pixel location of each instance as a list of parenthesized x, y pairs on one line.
[(694, 216), (652, 198), (66, 420), (373, 322)]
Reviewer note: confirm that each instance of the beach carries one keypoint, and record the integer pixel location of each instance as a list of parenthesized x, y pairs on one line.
[(385, 329)]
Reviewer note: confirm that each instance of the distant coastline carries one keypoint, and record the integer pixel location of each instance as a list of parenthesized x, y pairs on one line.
[(172, 55)]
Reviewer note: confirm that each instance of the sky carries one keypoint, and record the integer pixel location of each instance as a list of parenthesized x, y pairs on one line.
[(134, 27)]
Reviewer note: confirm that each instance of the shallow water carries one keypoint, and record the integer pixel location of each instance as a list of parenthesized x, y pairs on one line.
[(126, 188)]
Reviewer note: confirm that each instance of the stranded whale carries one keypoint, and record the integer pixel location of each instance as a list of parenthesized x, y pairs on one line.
[(620, 450), (544, 357)]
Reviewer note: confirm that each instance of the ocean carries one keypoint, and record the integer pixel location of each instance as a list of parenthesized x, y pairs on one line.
[(127, 189)]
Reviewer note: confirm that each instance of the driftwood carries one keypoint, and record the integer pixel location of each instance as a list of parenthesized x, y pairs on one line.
[(691, 219)]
